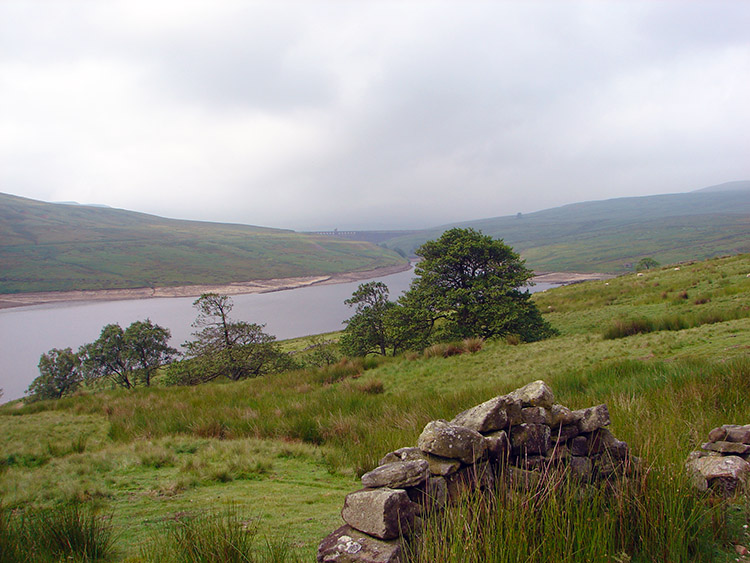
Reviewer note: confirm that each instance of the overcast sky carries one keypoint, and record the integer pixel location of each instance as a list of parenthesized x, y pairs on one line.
[(357, 114)]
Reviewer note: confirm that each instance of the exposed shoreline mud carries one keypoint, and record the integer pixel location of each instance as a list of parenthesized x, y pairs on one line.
[(10, 300)]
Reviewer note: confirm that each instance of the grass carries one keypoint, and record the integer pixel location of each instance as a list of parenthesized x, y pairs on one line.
[(283, 450)]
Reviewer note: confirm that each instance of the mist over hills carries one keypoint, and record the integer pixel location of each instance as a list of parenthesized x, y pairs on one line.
[(612, 235)]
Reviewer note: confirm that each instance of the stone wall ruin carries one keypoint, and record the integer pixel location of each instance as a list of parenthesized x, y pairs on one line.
[(518, 436)]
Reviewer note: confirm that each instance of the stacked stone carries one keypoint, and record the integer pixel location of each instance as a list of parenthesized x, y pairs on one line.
[(723, 464), (518, 434)]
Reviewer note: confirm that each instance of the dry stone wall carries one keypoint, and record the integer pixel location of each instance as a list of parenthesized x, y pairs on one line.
[(514, 436), (723, 463)]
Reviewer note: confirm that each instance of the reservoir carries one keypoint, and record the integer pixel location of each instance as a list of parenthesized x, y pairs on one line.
[(28, 332)]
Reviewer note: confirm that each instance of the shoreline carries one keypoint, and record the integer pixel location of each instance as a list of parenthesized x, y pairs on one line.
[(14, 300)]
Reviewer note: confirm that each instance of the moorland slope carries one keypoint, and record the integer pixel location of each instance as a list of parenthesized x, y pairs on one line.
[(59, 247), (613, 235)]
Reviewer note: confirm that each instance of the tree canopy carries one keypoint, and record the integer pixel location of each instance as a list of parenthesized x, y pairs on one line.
[(476, 285), (467, 285), (59, 375)]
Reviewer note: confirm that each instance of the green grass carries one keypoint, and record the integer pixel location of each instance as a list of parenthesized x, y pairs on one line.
[(283, 450), (53, 247)]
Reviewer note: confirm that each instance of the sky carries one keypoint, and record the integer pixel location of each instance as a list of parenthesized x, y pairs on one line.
[(369, 114)]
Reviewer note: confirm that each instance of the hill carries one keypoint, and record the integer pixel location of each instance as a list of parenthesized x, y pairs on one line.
[(56, 247), (283, 450), (612, 235)]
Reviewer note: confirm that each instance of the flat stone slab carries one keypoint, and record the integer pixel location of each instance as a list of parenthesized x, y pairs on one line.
[(530, 439), (347, 545), (735, 448), (731, 433), (397, 475)]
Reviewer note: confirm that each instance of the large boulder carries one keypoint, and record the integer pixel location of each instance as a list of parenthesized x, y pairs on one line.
[(535, 394), (383, 513), (444, 439), (593, 418), (347, 545), (722, 473), (489, 416), (397, 475)]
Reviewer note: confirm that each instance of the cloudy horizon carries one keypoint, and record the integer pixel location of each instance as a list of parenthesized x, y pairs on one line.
[(369, 115)]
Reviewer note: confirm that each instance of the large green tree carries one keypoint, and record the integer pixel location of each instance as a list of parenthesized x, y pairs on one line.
[(370, 329), (59, 375), (468, 284), (225, 347)]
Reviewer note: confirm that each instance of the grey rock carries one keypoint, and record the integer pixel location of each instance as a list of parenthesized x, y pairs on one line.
[(581, 467), (536, 415), (347, 545), (487, 417), (478, 476), (402, 454), (729, 471), (563, 416), (557, 453), (730, 433), (441, 466), (564, 433), (593, 418), (723, 447), (535, 394), (430, 496), (579, 446), (444, 439), (530, 439), (397, 475), (383, 513), (498, 446)]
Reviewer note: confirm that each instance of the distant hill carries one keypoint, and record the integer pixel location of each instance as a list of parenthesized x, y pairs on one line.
[(54, 247), (742, 185), (612, 235)]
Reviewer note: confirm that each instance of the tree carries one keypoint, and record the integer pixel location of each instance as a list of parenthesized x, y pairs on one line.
[(469, 284), (235, 349), (646, 264), (147, 347), (127, 357), (59, 375)]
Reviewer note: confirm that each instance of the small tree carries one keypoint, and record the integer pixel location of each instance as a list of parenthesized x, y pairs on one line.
[(59, 375), (473, 284), (235, 349), (127, 357), (647, 264)]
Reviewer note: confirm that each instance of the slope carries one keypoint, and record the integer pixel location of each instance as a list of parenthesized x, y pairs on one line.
[(614, 234), (53, 247)]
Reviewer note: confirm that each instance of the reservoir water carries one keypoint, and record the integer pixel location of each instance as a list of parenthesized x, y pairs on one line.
[(28, 332)]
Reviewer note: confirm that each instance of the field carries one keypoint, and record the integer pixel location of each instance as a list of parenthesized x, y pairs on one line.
[(55, 247), (281, 452)]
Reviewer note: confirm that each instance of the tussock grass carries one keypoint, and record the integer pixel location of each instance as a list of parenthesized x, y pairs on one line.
[(222, 537), (68, 532)]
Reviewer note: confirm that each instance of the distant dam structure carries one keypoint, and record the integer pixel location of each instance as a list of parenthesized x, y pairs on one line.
[(375, 237)]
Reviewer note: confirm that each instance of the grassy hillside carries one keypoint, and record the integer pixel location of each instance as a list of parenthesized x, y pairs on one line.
[(612, 235), (284, 450), (53, 247)]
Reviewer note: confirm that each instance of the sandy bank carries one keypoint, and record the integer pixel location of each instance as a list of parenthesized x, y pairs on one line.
[(239, 288), (8, 300)]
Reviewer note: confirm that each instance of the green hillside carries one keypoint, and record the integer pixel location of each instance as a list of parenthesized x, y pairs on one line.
[(612, 235), (283, 450), (53, 247)]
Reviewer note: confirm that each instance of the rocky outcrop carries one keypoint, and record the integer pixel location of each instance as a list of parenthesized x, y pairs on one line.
[(516, 437), (723, 463)]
